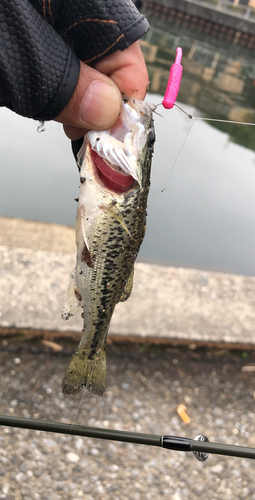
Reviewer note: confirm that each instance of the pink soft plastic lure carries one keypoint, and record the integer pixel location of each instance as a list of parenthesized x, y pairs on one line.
[(174, 81)]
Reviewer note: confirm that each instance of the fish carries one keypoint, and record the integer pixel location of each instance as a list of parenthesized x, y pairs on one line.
[(115, 166)]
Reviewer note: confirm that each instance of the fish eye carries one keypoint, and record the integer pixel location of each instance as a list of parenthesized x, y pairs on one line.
[(151, 139)]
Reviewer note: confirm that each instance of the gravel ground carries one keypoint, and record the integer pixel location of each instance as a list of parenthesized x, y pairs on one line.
[(145, 386)]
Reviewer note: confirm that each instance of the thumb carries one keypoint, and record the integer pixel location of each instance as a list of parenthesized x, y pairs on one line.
[(95, 103)]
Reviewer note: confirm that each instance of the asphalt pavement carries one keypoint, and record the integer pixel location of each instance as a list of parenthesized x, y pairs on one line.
[(145, 386)]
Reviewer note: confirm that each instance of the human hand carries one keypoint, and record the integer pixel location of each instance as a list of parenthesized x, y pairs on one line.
[(96, 101)]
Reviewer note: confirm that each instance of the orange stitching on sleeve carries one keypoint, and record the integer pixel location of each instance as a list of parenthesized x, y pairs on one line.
[(103, 53), (87, 21), (50, 12), (44, 10)]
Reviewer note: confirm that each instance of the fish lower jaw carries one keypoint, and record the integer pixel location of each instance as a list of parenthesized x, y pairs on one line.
[(112, 177)]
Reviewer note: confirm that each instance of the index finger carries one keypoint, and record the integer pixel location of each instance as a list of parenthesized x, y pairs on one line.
[(128, 70)]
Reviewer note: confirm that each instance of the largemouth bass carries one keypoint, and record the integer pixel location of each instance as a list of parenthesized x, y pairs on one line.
[(110, 225)]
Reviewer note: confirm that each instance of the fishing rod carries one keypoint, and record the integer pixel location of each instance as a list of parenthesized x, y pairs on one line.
[(200, 446)]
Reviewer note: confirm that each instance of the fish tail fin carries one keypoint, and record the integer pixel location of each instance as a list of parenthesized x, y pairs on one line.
[(86, 370)]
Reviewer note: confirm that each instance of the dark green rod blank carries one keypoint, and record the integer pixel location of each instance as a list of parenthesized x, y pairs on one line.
[(223, 449), (81, 430), (168, 442)]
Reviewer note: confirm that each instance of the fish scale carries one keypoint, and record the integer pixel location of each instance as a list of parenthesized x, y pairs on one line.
[(113, 225)]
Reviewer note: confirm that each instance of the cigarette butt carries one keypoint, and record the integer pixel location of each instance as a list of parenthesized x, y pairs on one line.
[(52, 345), (248, 368), (181, 410)]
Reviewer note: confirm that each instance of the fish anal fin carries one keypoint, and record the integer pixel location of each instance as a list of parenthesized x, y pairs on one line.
[(87, 372), (73, 299), (128, 287)]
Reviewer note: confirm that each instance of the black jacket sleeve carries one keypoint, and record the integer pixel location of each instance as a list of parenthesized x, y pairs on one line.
[(41, 42)]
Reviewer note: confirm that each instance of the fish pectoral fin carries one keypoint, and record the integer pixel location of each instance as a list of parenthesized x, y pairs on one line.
[(73, 299), (86, 371), (114, 212), (128, 287)]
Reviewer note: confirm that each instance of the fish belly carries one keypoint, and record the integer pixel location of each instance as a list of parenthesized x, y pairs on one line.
[(103, 277)]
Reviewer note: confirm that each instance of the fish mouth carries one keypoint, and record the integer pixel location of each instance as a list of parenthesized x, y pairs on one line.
[(112, 176)]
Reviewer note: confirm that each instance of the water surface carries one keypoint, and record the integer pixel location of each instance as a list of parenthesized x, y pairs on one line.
[(205, 217)]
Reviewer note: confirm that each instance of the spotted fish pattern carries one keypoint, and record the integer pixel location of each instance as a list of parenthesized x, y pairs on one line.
[(110, 228)]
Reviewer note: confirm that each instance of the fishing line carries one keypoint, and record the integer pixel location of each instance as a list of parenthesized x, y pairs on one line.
[(78, 409), (170, 97), (176, 159), (194, 118), (200, 446), (169, 101), (210, 119), (218, 120), (172, 89), (185, 112), (85, 388)]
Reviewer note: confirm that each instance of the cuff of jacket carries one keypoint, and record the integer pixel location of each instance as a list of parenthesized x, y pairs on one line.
[(65, 90), (137, 30)]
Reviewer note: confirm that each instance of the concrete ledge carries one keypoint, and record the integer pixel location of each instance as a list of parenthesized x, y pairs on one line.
[(168, 304)]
